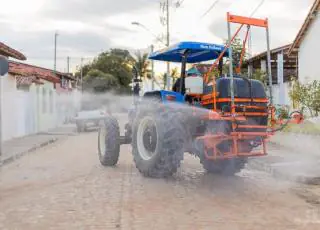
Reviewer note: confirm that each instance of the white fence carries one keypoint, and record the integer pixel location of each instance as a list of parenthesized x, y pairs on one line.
[(23, 111)]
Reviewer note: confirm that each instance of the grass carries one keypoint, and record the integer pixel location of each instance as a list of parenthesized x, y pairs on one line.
[(306, 127)]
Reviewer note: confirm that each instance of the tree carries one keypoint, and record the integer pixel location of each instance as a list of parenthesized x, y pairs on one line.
[(314, 88), (236, 46), (142, 65), (124, 55), (260, 76), (99, 82), (174, 73), (307, 96), (114, 66), (163, 78)]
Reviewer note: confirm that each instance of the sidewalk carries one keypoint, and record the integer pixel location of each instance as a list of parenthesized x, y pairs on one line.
[(294, 157), (15, 148)]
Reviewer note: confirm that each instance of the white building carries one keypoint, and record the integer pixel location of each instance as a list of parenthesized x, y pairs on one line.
[(306, 45), (31, 97), (283, 70)]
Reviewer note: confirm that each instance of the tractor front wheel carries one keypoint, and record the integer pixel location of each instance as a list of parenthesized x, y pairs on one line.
[(157, 143), (109, 141)]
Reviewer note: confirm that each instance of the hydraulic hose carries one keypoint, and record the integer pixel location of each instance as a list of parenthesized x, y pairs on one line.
[(287, 122)]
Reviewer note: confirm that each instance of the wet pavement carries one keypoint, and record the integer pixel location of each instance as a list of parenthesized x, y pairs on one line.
[(63, 186)]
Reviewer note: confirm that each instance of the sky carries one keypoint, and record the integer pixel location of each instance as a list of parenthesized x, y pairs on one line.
[(87, 27)]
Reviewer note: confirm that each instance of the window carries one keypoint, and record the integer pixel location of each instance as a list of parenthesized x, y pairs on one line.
[(51, 101), (44, 101)]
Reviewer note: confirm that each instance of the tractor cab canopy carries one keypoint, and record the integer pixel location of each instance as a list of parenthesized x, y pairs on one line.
[(194, 51)]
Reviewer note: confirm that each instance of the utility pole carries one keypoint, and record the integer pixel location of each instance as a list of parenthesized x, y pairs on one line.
[(165, 21), (152, 68), (55, 52), (81, 75), (68, 64), (168, 43)]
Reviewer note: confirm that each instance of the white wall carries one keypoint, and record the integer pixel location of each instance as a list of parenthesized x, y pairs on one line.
[(276, 94), (9, 114), (18, 110), (46, 112), (24, 111), (309, 54)]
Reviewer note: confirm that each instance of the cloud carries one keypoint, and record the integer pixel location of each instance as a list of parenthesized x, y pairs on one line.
[(83, 28), (39, 47), (285, 18), (87, 27), (84, 10)]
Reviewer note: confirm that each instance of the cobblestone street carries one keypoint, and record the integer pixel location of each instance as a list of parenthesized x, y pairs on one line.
[(63, 186)]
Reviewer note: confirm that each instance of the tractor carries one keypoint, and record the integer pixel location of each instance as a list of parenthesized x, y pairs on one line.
[(223, 120)]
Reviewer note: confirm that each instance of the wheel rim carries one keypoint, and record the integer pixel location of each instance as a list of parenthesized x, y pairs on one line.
[(102, 140), (147, 138)]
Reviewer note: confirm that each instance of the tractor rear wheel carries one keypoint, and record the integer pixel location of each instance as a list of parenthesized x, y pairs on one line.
[(157, 142), (224, 166), (227, 167), (109, 141)]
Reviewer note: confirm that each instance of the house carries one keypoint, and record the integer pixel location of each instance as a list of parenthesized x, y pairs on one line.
[(283, 70), (12, 117), (306, 46), (33, 97), (68, 97), (7, 52), (52, 93)]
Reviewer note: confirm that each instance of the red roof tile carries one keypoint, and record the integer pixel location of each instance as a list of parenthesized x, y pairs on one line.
[(9, 52), (26, 70)]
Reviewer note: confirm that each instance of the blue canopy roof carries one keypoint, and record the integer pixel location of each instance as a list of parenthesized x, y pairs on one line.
[(197, 52)]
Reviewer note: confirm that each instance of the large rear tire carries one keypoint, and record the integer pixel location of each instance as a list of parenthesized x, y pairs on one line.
[(157, 142), (226, 167), (109, 141)]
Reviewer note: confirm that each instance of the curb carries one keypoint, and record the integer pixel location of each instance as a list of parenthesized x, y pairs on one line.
[(35, 147), (59, 134), (258, 164)]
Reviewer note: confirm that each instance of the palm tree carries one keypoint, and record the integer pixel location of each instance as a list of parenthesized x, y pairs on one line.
[(174, 73), (142, 64)]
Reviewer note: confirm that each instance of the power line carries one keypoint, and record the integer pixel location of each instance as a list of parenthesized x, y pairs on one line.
[(210, 8), (250, 35), (257, 8), (58, 58)]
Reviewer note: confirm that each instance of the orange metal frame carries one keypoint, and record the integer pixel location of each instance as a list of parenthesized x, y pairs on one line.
[(212, 140), (236, 138)]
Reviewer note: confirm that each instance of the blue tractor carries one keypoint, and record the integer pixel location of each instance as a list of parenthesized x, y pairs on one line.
[(221, 120)]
